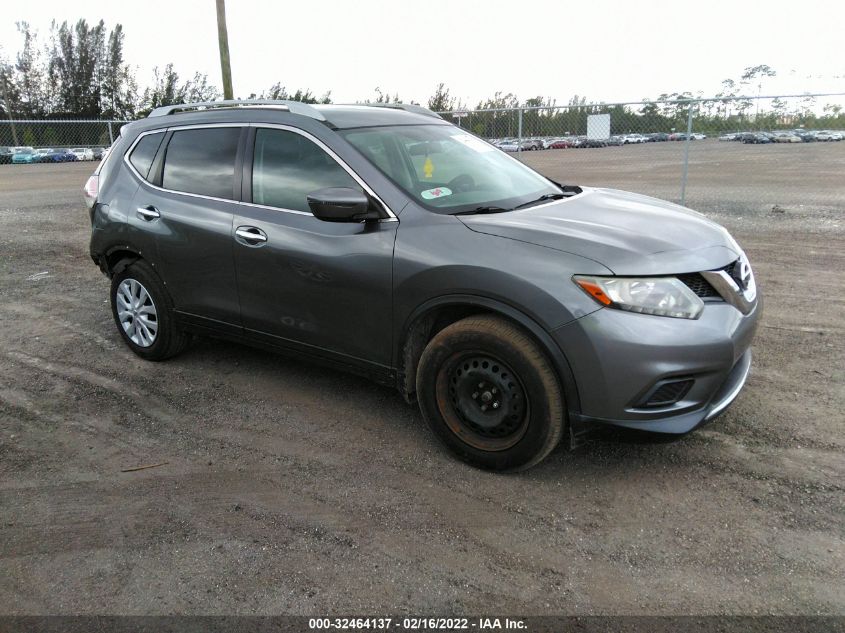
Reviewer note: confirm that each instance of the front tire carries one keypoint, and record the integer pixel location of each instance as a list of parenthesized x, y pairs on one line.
[(490, 394), (143, 312)]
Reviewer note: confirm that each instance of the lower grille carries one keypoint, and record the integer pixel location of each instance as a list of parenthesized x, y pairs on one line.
[(666, 392)]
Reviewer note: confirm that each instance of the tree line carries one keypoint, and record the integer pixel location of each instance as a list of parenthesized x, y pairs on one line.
[(79, 71), (731, 109)]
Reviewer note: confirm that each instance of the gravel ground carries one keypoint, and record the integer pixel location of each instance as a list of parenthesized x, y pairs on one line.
[(287, 488), (724, 177)]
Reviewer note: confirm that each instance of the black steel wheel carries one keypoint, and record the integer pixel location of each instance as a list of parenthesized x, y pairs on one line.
[(490, 394), (489, 406)]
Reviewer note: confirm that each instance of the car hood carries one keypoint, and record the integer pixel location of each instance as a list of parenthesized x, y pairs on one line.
[(629, 233)]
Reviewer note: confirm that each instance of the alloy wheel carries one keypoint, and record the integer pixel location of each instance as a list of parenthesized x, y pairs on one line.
[(137, 313)]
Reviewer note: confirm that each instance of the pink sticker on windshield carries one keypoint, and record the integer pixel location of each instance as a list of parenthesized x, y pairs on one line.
[(437, 192)]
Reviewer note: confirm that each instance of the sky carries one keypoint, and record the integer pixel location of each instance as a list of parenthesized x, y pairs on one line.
[(606, 50)]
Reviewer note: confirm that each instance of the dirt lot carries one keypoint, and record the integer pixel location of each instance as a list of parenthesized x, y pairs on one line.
[(288, 488)]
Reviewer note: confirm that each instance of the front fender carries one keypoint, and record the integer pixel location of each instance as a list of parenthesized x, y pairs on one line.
[(437, 256), (438, 262)]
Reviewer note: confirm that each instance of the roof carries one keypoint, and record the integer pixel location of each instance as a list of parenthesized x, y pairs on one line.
[(365, 115), (336, 116)]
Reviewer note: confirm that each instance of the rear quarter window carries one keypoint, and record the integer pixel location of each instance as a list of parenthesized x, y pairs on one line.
[(144, 153)]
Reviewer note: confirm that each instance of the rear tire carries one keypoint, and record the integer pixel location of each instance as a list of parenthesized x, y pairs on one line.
[(143, 312), (490, 394)]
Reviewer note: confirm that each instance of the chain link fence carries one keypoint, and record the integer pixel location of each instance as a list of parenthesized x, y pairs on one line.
[(29, 141), (726, 155)]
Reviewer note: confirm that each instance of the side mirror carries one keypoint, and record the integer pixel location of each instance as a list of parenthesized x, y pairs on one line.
[(341, 204)]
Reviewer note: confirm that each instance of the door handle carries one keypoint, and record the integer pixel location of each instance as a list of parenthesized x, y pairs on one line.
[(147, 213), (253, 236)]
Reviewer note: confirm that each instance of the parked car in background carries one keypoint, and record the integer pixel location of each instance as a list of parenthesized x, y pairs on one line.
[(614, 140), (508, 146), (58, 156), (629, 139), (731, 136), (786, 137), (827, 135), (698, 136), (24, 155), (561, 143), (98, 152), (83, 153), (805, 135), (592, 142), (658, 137), (756, 138), (6, 154)]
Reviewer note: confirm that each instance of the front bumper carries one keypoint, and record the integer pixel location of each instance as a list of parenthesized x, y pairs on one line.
[(618, 357), (684, 422)]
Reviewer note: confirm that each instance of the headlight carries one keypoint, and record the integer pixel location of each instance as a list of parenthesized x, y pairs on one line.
[(661, 296)]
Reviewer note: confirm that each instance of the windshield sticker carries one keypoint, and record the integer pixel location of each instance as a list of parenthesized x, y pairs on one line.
[(473, 143), (428, 168), (437, 192)]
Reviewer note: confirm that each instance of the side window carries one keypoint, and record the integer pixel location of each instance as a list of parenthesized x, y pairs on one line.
[(144, 153), (202, 161), (287, 167)]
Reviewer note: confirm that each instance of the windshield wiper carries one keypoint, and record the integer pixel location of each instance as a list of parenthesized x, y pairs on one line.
[(481, 210), (543, 198)]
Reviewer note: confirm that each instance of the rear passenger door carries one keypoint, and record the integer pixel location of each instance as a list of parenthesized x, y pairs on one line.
[(187, 202), (323, 285)]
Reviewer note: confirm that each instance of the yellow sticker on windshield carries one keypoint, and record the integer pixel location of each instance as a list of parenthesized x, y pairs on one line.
[(428, 167)]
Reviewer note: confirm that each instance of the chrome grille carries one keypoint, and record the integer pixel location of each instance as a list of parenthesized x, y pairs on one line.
[(733, 269)]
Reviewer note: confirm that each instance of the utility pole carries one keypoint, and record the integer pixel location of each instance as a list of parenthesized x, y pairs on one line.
[(8, 109), (223, 41)]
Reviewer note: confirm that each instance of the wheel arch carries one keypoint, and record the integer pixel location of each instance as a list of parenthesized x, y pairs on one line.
[(435, 314), (117, 258)]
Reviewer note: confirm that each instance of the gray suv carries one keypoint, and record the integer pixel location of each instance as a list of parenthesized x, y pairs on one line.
[(388, 242)]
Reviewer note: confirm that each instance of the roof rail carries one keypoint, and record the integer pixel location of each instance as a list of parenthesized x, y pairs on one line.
[(409, 107), (294, 107)]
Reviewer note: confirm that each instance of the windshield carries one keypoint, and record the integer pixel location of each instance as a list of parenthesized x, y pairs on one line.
[(447, 170)]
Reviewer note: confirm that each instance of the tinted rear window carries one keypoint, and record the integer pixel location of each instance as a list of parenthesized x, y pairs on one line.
[(202, 161), (144, 152)]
